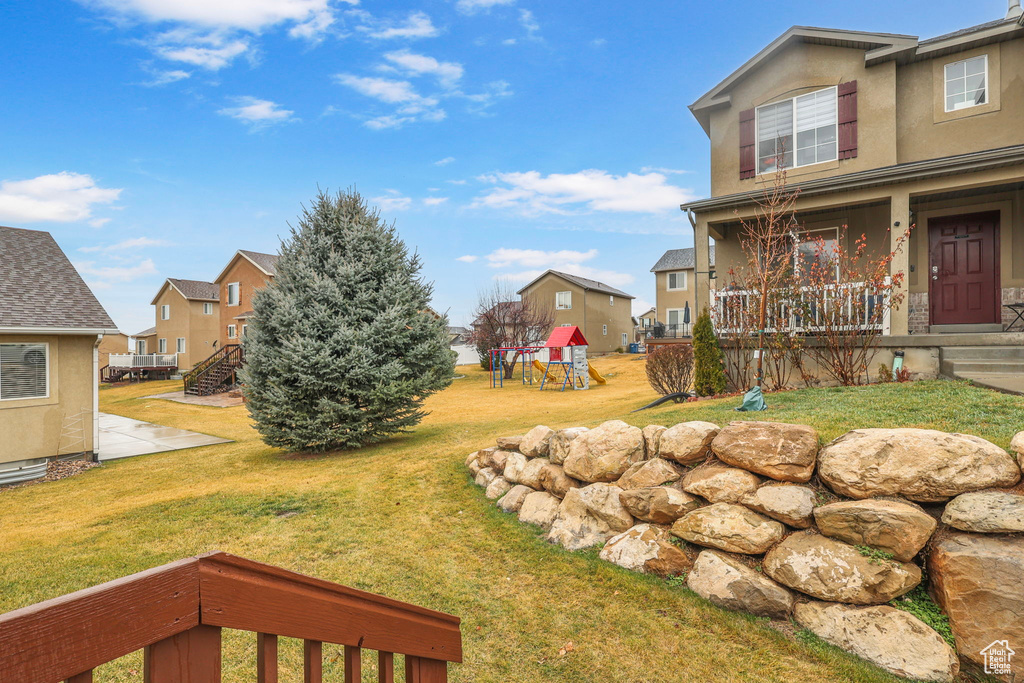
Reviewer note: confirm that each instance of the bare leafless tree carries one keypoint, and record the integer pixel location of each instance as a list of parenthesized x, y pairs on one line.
[(670, 369), (503, 320)]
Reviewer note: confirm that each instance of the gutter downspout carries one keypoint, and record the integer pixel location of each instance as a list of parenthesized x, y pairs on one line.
[(96, 399), (696, 296), (1015, 12)]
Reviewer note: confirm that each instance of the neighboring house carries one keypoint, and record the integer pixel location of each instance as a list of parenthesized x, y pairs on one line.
[(51, 327), (645, 323), (113, 343), (145, 342), (458, 335), (246, 272), (675, 305), (601, 312), (187, 320), (878, 132)]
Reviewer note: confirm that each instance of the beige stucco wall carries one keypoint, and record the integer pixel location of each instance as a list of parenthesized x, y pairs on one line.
[(250, 279), (62, 423), (664, 298), (188, 321), (590, 311), (113, 343)]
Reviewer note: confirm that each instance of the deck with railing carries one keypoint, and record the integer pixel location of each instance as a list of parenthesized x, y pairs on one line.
[(175, 613), (137, 361)]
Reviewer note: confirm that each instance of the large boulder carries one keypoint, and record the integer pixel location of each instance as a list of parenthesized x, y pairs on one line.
[(533, 471), (536, 441), (1017, 446), (652, 439), (509, 443), (485, 476), (473, 457), (475, 467), (647, 549), (494, 458), (588, 516), (603, 454), (729, 527), (898, 528), (653, 472), (890, 638), (791, 504), (513, 500), (728, 582), (556, 482), (720, 484), (539, 508), (658, 504), (978, 581), (835, 571), (687, 442), (498, 487), (558, 446), (782, 451), (986, 512), (515, 463), (920, 464)]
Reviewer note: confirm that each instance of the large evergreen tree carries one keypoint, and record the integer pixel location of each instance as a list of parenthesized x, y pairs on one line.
[(341, 351), (708, 373)]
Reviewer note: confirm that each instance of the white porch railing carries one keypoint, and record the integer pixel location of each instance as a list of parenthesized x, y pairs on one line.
[(862, 304), (143, 360)]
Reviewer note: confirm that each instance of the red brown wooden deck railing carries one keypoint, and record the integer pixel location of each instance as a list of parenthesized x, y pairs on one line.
[(176, 613)]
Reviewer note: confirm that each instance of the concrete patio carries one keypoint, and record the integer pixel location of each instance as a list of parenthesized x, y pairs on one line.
[(123, 437)]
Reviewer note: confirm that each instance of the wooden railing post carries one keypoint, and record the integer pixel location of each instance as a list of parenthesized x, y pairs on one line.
[(266, 658), (84, 677), (192, 656), (422, 670), (386, 667), (313, 661)]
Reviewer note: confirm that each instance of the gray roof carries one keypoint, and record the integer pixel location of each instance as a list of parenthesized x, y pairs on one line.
[(680, 259), (267, 262), (585, 283), (968, 31), (196, 289), (40, 288), (149, 331)]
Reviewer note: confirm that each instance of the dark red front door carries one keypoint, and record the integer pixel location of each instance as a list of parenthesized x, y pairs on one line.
[(964, 268)]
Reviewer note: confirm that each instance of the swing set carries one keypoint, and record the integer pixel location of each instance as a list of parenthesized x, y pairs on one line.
[(566, 366)]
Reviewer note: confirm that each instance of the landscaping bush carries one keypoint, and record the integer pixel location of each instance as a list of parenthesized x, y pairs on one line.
[(708, 373), (341, 351), (670, 369)]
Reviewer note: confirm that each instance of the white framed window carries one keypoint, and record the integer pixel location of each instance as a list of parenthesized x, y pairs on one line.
[(625, 339), (813, 119), (207, 309), (161, 346), (604, 330), (676, 280), (233, 289), (967, 83), (566, 325), (563, 300), (232, 332), (180, 345), (674, 316), (244, 329), (140, 347), (611, 300), (24, 371), (165, 312), (815, 247)]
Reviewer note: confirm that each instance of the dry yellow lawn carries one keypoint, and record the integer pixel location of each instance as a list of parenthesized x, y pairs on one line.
[(402, 519)]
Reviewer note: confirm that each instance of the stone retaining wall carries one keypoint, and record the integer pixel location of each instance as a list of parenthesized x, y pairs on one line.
[(759, 518)]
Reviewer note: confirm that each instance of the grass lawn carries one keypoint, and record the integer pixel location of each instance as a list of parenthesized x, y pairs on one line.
[(404, 520)]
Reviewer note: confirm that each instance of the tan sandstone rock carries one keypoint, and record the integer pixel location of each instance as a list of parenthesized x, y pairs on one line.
[(978, 581), (652, 439), (899, 528), (558, 447), (475, 467), (653, 472), (588, 516), (509, 443), (1017, 446), (986, 512), (728, 582), (659, 504), (494, 458), (920, 464), (687, 442), (515, 463), (789, 503), (513, 500), (835, 571), (890, 638), (539, 508), (785, 452), (535, 442), (720, 484), (729, 527), (647, 549), (498, 487), (472, 458), (533, 472), (485, 476), (556, 482), (603, 454)]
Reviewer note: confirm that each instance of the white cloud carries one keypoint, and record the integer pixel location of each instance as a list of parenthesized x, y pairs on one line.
[(468, 258), (210, 51), (662, 169), (411, 106), (509, 41), (536, 258), (256, 113), (595, 190), (528, 22), (598, 42), (641, 306), (416, 25), (163, 77), (456, 182), (495, 91), (473, 6), (393, 201), (103, 276), (434, 201), (447, 73), (444, 162), (63, 197), (125, 245)]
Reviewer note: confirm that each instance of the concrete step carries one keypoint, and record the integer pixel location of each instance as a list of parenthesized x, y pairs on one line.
[(959, 368), (983, 353)]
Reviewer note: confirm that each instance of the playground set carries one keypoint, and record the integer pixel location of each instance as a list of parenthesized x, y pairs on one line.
[(566, 366)]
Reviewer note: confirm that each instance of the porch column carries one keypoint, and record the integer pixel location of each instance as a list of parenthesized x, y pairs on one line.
[(702, 282), (899, 221)]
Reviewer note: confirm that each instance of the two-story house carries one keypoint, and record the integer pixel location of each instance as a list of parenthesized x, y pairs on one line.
[(599, 310), (879, 132), (245, 273), (674, 286), (187, 320)]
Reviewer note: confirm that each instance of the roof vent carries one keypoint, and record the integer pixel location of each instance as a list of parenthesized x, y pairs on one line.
[(1015, 11)]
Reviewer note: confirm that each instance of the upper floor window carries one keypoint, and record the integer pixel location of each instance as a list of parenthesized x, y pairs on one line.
[(23, 371), (967, 83), (611, 300), (563, 300), (232, 294), (813, 118), (207, 309), (677, 280), (165, 312)]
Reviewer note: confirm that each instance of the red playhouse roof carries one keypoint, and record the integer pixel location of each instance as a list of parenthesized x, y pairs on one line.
[(566, 336)]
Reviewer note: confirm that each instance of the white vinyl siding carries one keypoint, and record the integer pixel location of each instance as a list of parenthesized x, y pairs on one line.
[(677, 280), (233, 293), (207, 309), (967, 83), (815, 121), (161, 346), (232, 332), (24, 371), (180, 345), (165, 312), (563, 300)]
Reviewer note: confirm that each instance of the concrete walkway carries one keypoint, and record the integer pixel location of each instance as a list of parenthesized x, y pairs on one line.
[(1008, 383), (226, 399), (123, 437)]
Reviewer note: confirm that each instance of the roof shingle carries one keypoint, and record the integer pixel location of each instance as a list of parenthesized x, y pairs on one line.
[(196, 289), (680, 259), (585, 283), (267, 262)]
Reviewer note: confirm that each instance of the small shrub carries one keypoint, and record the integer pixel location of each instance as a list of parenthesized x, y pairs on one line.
[(921, 605), (619, 349), (677, 580), (670, 369), (884, 373), (709, 375), (875, 555), (902, 375)]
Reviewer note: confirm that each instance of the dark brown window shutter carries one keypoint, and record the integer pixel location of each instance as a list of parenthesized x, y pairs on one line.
[(748, 147), (848, 120)]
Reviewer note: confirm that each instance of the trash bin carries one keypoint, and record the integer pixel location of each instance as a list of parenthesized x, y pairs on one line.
[(634, 348)]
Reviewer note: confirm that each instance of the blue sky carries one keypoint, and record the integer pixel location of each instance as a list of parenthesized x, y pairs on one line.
[(153, 138)]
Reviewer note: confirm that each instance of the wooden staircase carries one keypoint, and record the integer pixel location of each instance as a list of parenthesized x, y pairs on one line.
[(215, 374), (111, 375)]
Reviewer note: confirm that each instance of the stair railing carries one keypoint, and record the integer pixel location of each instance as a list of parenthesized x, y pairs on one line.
[(229, 353)]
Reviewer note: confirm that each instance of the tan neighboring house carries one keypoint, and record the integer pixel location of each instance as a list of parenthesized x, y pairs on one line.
[(674, 286), (246, 272), (51, 327), (599, 310), (113, 343), (187, 321), (645, 323), (144, 342)]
